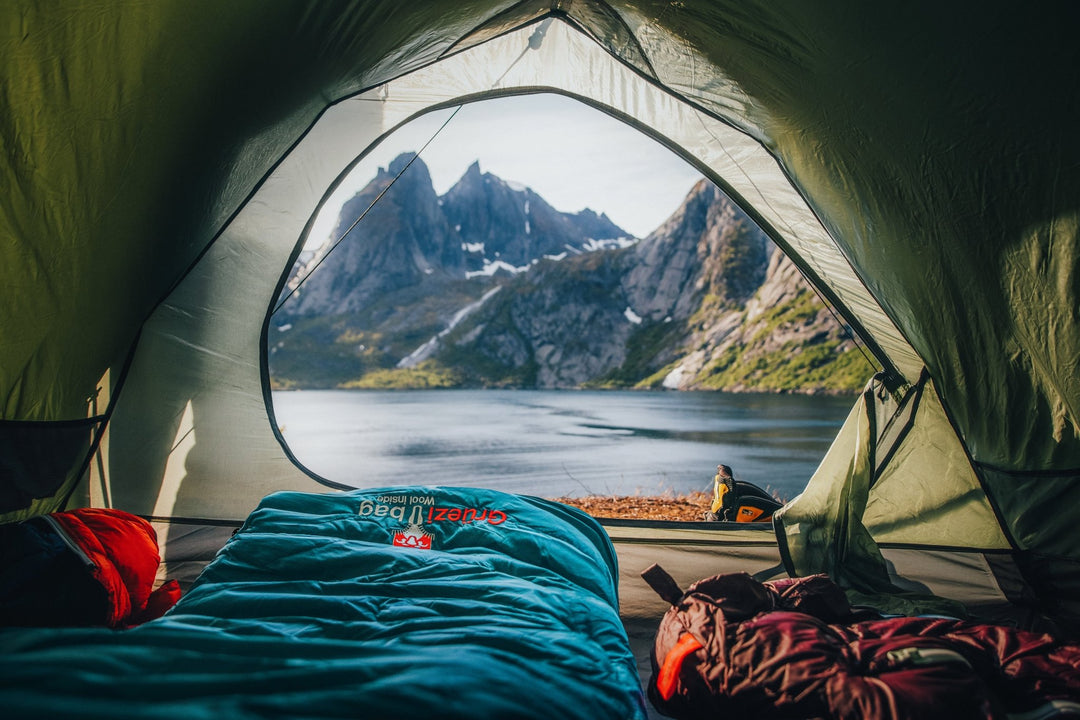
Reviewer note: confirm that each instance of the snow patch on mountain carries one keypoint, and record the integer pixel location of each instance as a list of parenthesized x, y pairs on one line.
[(429, 348), (594, 244), (493, 266)]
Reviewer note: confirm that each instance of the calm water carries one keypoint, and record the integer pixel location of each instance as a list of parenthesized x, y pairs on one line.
[(556, 443)]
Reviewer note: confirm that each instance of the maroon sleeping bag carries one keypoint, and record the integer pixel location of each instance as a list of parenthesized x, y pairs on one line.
[(733, 647)]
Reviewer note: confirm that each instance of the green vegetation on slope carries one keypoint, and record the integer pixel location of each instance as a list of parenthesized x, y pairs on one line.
[(643, 348), (334, 350), (790, 369), (323, 352), (802, 309), (824, 362), (426, 376), (478, 369)]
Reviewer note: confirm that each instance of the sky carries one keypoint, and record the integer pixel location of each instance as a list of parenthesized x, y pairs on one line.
[(571, 155)]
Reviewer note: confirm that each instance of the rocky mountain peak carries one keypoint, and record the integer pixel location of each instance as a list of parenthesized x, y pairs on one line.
[(408, 173), (707, 248), (482, 226), (402, 161), (514, 225)]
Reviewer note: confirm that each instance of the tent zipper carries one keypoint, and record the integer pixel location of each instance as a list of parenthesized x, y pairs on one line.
[(72, 545)]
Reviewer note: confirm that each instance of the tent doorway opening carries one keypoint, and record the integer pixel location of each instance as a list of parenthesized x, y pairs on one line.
[(445, 303)]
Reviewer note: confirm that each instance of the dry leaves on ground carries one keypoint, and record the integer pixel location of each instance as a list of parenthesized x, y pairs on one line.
[(686, 507)]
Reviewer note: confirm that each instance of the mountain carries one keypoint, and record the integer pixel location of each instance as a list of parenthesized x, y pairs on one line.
[(488, 285), (708, 251), (409, 264), (410, 237), (605, 316)]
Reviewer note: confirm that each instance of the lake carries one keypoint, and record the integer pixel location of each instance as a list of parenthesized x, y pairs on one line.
[(559, 442)]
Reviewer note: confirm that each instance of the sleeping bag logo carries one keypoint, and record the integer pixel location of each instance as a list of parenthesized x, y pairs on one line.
[(413, 536), (396, 507)]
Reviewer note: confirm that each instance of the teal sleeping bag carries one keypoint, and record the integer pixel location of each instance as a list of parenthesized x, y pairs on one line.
[(409, 602)]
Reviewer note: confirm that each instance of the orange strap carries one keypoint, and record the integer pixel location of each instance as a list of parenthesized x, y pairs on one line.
[(668, 677)]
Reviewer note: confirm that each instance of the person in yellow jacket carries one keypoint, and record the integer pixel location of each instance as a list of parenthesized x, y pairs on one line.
[(739, 501), (722, 483)]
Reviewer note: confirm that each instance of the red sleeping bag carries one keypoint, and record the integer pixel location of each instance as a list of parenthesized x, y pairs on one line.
[(88, 566)]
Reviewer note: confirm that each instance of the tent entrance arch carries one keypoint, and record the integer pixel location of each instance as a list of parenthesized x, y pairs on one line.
[(549, 150)]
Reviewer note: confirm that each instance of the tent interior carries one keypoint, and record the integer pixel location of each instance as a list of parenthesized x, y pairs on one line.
[(919, 163)]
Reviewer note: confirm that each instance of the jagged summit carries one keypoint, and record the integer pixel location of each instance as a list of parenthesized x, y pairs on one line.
[(401, 161)]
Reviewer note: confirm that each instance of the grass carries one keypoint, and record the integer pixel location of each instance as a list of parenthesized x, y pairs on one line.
[(791, 368), (426, 376)]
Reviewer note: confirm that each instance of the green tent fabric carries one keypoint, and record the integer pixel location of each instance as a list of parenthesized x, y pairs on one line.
[(161, 161), (827, 528)]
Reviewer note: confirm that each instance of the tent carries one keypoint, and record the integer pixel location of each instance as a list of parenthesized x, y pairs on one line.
[(918, 161)]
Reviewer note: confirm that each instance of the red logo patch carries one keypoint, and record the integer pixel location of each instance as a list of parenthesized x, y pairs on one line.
[(412, 537)]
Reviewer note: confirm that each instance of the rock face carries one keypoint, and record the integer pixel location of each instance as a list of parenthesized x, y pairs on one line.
[(560, 325), (707, 248), (783, 339), (490, 286), (501, 223), (581, 320), (402, 240)]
